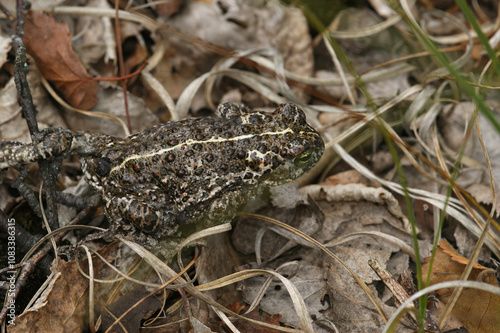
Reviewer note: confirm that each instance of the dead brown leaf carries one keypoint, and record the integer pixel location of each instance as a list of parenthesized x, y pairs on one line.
[(62, 307), (64, 304), (49, 42), (477, 310)]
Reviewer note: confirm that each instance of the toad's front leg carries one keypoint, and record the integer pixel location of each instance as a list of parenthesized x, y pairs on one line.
[(53, 142)]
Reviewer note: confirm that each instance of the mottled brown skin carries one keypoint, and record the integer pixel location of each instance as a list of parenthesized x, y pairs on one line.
[(196, 170)]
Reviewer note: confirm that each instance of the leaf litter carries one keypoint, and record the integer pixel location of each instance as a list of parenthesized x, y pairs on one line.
[(278, 276), (49, 43)]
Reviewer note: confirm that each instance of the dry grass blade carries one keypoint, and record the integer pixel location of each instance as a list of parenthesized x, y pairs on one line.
[(46, 223), (55, 232), (227, 63), (124, 276), (150, 294), (461, 61), (372, 75), (91, 288), (200, 235), (226, 320), (363, 32), (154, 84), (479, 222), (176, 280), (391, 324), (483, 147), (479, 244), (145, 21), (329, 253), (468, 268), (372, 116), (297, 300), (454, 208), (257, 82), (336, 61), (348, 237), (419, 104), (49, 280), (266, 285), (96, 114)]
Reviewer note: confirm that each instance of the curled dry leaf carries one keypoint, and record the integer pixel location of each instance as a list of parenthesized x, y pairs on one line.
[(49, 43), (359, 192), (477, 310)]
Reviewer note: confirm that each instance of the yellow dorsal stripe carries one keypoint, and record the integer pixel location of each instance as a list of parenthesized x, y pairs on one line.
[(192, 142)]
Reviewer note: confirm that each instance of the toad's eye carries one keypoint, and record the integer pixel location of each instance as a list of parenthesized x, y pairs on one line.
[(103, 167), (303, 158)]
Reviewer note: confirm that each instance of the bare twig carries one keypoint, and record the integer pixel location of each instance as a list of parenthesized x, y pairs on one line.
[(21, 69), (49, 170), (27, 194)]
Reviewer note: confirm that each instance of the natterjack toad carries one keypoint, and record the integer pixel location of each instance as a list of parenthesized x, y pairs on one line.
[(195, 171)]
